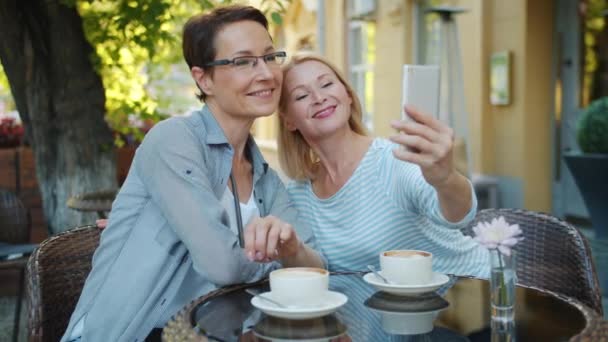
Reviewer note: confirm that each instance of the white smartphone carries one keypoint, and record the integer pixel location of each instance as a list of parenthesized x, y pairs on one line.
[(420, 89)]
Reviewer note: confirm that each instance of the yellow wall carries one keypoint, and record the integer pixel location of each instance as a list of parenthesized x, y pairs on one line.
[(508, 30), (390, 56), (473, 47), (511, 141), (538, 104), (335, 33)]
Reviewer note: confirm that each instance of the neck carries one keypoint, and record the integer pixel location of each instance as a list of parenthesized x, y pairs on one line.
[(236, 129), (340, 154)]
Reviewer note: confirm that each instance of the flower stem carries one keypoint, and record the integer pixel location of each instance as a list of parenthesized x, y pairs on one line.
[(502, 288)]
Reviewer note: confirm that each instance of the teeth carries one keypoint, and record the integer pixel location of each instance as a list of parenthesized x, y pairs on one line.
[(262, 93)]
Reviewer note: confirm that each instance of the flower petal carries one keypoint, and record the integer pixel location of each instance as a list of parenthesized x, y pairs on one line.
[(490, 245), (510, 242)]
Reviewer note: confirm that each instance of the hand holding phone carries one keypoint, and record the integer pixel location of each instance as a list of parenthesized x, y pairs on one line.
[(424, 139)]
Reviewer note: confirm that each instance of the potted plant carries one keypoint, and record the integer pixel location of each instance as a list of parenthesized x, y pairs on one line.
[(590, 168)]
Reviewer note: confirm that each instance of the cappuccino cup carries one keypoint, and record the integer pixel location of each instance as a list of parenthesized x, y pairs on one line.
[(407, 267), (299, 286)]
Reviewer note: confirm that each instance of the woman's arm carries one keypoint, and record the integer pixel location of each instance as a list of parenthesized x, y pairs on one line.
[(297, 246), (269, 238), (455, 197), (428, 143)]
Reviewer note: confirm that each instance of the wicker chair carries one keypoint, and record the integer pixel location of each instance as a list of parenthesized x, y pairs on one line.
[(594, 332), (553, 256), (56, 272), (14, 241)]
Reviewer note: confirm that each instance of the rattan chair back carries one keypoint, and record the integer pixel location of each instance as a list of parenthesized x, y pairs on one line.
[(553, 256), (14, 219), (56, 273)]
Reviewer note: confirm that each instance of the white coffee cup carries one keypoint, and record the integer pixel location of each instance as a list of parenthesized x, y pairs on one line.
[(299, 286), (407, 267)]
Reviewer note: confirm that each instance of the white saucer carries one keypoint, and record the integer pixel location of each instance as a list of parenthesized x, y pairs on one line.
[(436, 282), (332, 302)]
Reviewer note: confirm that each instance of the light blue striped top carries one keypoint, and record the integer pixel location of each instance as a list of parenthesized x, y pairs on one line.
[(386, 204)]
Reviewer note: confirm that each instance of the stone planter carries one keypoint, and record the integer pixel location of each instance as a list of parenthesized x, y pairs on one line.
[(590, 172)]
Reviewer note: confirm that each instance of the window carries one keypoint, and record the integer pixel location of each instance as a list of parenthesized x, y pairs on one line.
[(362, 55)]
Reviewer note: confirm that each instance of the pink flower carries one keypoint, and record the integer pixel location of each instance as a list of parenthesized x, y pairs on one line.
[(498, 234)]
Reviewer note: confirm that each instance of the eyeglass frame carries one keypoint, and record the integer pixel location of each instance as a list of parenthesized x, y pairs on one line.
[(222, 62)]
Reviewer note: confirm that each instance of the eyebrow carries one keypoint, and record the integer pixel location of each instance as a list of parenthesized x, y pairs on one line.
[(300, 86)]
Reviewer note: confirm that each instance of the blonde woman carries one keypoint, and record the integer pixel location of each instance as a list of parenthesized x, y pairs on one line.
[(362, 195)]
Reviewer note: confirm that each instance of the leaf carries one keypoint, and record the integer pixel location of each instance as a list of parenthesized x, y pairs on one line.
[(277, 18)]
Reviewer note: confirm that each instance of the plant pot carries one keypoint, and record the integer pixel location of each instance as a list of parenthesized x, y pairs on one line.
[(590, 172)]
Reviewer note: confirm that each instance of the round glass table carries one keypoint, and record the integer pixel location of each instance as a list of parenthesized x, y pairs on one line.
[(459, 311)]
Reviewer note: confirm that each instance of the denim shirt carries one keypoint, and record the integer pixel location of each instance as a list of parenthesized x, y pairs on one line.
[(167, 222)]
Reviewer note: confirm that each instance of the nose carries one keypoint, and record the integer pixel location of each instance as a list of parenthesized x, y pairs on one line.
[(262, 70), (317, 96)]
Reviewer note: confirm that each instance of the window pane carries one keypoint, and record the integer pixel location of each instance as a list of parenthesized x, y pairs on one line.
[(356, 45)]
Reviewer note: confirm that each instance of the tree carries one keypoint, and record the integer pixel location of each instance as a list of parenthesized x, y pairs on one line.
[(57, 56)]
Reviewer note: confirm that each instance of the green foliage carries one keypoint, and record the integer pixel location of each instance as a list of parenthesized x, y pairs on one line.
[(594, 24), (137, 52), (137, 45), (592, 130)]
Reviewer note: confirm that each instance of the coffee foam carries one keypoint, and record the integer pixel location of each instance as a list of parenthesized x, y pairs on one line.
[(300, 272), (408, 254)]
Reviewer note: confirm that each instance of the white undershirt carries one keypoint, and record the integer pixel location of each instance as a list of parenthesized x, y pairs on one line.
[(249, 211)]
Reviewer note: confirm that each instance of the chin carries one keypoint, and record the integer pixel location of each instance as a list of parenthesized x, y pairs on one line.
[(265, 110)]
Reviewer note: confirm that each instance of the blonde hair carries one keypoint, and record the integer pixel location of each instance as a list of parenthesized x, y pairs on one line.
[(296, 157)]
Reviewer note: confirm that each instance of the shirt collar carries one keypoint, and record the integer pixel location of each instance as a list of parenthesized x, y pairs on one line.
[(215, 136)]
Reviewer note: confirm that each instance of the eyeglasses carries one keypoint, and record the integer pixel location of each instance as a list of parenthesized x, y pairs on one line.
[(245, 62)]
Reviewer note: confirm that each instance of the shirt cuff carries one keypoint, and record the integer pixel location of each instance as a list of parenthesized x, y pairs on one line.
[(466, 220)]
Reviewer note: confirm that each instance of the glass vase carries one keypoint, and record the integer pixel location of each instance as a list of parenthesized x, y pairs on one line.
[(502, 288)]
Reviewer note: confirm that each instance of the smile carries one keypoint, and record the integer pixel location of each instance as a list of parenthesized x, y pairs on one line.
[(261, 93), (324, 112)]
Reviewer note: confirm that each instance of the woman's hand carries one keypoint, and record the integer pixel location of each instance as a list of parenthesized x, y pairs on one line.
[(268, 238), (101, 223), (428, 143)]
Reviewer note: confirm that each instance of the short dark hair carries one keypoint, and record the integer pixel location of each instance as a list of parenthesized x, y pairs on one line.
[(198, 39)]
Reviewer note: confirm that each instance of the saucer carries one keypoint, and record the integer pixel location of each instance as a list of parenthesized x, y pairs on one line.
[(436, 282), (332, 302), (420, 303)]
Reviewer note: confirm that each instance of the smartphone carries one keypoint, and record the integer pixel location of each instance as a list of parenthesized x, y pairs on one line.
[(420, 89)]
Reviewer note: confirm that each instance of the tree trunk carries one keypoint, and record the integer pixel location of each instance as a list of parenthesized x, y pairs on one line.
[(60, 98)]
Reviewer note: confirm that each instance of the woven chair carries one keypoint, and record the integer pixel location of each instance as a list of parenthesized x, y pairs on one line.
[(553, 256), (594, 332), (56, 272), (14, 243)]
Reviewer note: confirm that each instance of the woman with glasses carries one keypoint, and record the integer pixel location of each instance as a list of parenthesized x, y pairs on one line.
[(362, 195), (200, 208)]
